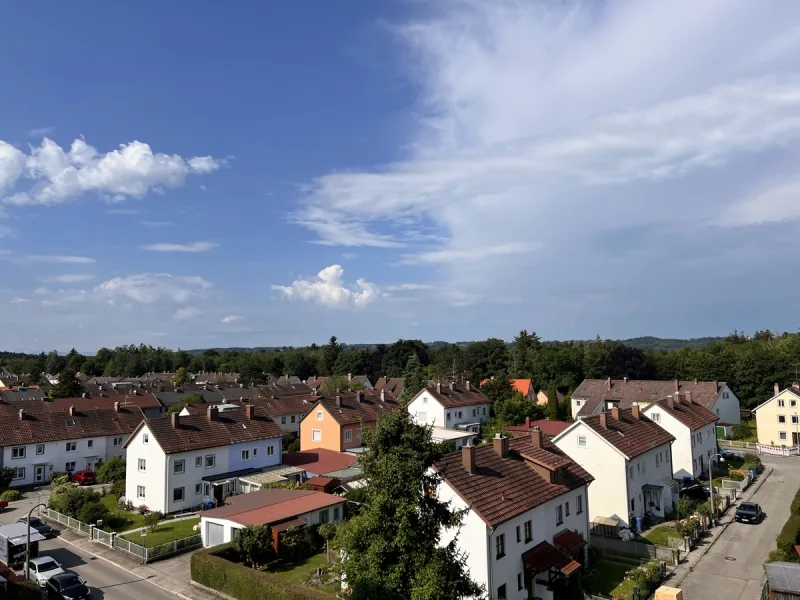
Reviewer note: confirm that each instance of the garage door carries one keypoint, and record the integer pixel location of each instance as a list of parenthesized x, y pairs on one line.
[(215, 534)]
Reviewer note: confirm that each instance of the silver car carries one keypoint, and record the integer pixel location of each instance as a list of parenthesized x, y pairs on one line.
[(42, 569)]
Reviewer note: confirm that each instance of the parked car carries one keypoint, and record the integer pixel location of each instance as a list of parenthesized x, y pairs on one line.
[(85, 477), (38, 525), (730, 454), (749, 512), (695, 492), (67, 586), (43, 568)]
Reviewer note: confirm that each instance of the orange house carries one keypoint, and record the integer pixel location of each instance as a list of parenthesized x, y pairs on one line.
[(339, 422)]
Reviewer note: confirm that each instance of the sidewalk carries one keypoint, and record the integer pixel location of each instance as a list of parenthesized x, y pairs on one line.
[(680, 572), (172, 575)]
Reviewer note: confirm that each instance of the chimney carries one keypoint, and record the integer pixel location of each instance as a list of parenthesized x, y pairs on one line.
[(796, 385), (677, 386), (116, 406), (527, 422), (537, 438), (21, 414), (466, 385), (615, 413), (349, 377), (468, 457), (608, 383), (777, 389), (452, 386), (359, 396), (383, 395), (500, 445), (338, 400), (635, 411), (438, 387), (670, 401), (688, 396), (625, 379), (250, 411), (176, 420), (72, 410), (603, 420), (213, 413)]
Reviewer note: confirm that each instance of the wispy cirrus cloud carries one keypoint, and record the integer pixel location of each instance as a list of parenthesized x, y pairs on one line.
[(69, 278), (173, 247), (62, 259), (188, 312), (41, 131)]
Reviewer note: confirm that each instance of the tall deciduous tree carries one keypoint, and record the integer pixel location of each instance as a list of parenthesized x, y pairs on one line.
[(391, 550), (414, 379), (68, 386), (181, 376)]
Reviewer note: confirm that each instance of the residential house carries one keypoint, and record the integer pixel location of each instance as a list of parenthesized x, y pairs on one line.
[(523, 386), (280, 509), (288, 411), (693, 427), (321, 462), (22, 394), (550, 428), (391, 385), (146, 403), (630, 458), (454, 406), (177, 462), (339, 422), (527, 515), (36, 443), (777, 418), (593, 396), (541, 397)]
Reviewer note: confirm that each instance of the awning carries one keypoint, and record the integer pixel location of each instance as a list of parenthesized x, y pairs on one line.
[(288, 525), (544, 556), (568, 541), (273, 475), (231, 475), (649, 487)]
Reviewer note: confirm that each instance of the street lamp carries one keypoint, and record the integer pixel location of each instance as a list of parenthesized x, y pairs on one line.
[(711, 486), (28, 544)]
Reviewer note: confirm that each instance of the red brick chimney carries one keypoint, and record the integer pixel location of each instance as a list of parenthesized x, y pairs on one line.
[(438, 387), (688, 396), (338, 400), (468, 458), (452, 386), (671, 401), (608, 383), (777, 389), (72, 410), (250, 411), (527, 422), (603, 420), (615, 414), (677, 386), (635, 411)]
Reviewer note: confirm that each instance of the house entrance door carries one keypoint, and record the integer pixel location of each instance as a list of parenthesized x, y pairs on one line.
[(38, 473)]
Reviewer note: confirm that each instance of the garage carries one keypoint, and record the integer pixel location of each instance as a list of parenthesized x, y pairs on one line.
[(215, 534)]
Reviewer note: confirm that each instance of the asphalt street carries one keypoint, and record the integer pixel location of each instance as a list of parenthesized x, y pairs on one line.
[(733, 567)]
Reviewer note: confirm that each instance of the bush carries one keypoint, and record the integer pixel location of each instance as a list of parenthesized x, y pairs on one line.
[(118, 488), (92, 512), (735, 476), (152, 519), (142, 510), (299, 543), (64, 479), (795, 506), (69, 500), (647, 577), (787, 539), (211, 570), (11, 495), (253, 545), (291, 442), (112, 470), (57, 475), (752, 459)]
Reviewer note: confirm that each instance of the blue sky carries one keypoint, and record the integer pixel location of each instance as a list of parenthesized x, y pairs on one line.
[(199, 174)]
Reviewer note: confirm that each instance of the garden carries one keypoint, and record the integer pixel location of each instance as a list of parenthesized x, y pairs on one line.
[(619, 581), (164, 532)]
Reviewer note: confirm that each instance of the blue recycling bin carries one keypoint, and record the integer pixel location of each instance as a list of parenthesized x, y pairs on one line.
[(638, 523)]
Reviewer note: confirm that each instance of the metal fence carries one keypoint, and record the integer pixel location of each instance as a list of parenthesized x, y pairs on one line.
[(103, 537), (71, 523), (158, 552)]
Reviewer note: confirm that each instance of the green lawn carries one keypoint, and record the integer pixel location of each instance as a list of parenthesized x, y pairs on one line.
[(125, 520), (661, 535), (298, 572), (608, 577), (165, 532)]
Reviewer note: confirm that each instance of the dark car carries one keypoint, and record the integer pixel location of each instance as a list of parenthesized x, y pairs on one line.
[(66, 586), (38, 525), (85, 477), (695, 492), (749, 512)]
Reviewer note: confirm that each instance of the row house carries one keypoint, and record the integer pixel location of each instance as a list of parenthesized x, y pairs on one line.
[(630, 458), (340, 422), (527, 515), (37, 443), (453, 406), (178, 462), (693, 427)]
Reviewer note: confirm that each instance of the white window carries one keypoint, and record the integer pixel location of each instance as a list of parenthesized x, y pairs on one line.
[(581, 441), (319, 415), (658, 459), (780, 403), (198, 461), (198, 489), (792, 403), (448, 416), (655, 417), (559, 514), (484, 411), (459, 414), (566, 508), (211, 460), (142, 464), (630, 472), (177, 494), (359, 432), (118, 441), (69, 467), (180, 466), (348, 435), (782, 435), (794, 419), (424, 399), (423, 417), (71, 446), (474, 413), (140, 492), (19, 473), (316, 435), (39, 449), (145, 438), (18, 452), (245, 454), (500, 544), (90, 443), (206, 489)]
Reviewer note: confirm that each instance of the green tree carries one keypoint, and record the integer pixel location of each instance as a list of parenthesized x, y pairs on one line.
[(6, 474), (486, 359), (391, 550), (395, 357), (111, 470), (330, 355), (498, 389), (68, 386), (55, 363), (181, 377), (414, 379), (188, 400), (552, 403), (252, 373), (333, 384), (92, 512), (514, 410), (254, 545), (151, 519)]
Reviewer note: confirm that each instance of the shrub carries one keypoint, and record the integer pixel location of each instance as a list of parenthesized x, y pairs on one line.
[(788, 537), (211, 570), (57, 475), (735, 476), (752, 459), (92, 512), (291, 442), (118, 488), (253, 545), (795, 506), (64, 479), (299, 543), (112, 470), (11, 495), (69, 500), (152, 519), (647, 577), (142, 510)]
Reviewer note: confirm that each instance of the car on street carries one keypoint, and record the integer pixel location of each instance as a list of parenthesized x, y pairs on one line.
[(43, 568), (67, 586), (749, 512), (85, 477), (38, 525)]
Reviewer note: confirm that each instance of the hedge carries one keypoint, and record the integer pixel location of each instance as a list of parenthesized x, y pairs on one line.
[(11, 495), (213, 571), (789, 536), (795, 507)]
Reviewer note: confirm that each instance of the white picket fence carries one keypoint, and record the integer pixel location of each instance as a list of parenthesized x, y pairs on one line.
[(778, 450)]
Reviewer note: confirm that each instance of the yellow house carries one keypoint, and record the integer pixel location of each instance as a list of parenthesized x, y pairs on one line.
[(778, 419)]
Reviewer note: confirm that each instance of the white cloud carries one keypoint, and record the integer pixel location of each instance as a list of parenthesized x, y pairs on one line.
[(329, 289), (40, 291), (780, 203), (18, 300), (133, 170), (468, 254), (336, 228), (41, 131), (170, 247), (231, 319), (47, 258), (70, 278), (148, 288), (188, 312)]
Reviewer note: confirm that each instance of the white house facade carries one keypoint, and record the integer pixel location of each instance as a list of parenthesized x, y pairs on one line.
[(451, 406)]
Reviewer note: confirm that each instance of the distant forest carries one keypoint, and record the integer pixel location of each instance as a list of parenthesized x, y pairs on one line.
[(750, 364)]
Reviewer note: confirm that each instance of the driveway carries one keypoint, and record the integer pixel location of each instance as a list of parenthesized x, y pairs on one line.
[(733, 567)]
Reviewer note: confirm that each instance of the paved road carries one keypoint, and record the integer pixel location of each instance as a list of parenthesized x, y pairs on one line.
[(732, 569)]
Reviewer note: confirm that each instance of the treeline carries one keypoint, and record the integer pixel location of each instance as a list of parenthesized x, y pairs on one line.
[(750, 364)]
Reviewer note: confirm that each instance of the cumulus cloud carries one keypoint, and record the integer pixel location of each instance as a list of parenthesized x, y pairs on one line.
[(327, 288), (231, 319), (148, 288), (172, 247), (59, 175)]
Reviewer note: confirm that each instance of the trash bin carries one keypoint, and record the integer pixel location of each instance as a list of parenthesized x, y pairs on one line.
[(753, 472), (638, 523), (687, 481)]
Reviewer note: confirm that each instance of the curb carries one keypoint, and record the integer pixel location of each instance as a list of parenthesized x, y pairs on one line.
[(689, 570)]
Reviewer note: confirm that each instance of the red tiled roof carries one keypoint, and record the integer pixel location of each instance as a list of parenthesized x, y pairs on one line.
[(319, 461), (50, 426), (392, 385), (523, 386), (543, 556), (568, 541), (351, 411), (548, 427), (630, 436), (455, 395), (502, 488), (690, 414), (196, 432), (321, 481), (595, 391), (266, 507)]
